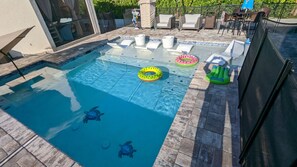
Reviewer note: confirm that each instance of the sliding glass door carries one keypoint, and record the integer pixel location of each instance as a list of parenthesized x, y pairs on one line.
[(67, 20)]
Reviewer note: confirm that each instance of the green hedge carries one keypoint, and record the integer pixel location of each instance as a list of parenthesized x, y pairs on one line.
[(118, 6)]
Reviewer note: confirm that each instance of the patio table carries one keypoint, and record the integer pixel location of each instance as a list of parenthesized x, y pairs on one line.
[(239, 21)]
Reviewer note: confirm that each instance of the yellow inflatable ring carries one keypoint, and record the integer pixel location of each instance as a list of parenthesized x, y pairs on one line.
[(143, 74)]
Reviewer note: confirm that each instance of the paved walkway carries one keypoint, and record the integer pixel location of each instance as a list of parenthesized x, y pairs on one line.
[(205, 131)]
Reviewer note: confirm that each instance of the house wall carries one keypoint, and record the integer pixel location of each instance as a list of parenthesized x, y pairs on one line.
[(19, 14)]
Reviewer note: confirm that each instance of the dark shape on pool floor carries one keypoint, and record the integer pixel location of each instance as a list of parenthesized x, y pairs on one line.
[(127, 149), (93, 114)]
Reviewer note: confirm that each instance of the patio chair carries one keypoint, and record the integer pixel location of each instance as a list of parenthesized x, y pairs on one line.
[(125, 43), (254, 19), (191, 21), (164, 21), (151, 45), (234, 50), (181, 48), (226, 21), (266, 10)]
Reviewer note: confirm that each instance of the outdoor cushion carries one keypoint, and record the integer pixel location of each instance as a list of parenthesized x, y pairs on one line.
[(191, 18), (127, 42), (182, 48), (162, 24), (153, 44), (188, 25), (164, 18)]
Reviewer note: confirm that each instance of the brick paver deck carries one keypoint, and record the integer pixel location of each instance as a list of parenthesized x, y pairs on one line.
[(205, 131)]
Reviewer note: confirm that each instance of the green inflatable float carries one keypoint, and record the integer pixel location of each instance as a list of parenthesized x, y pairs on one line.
[(218, 75)]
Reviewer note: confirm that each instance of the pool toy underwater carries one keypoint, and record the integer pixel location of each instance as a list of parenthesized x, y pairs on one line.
[(127, 149), (145, 74), (93, 114), (186, 60), (218, 75)]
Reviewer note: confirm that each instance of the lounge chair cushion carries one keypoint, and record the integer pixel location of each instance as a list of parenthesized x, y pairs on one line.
[(184, 48), (191, 18), (153, 44), (162, 24), (188, 25), (127, 42), (164, 18)]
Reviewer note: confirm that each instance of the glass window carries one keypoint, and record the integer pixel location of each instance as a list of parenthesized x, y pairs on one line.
[(67, 20)]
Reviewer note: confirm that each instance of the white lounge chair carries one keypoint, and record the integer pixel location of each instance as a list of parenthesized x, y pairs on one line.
[(151, 45), (181, 48), (125, 43), (190, 21), (164, 21), (234, 50)]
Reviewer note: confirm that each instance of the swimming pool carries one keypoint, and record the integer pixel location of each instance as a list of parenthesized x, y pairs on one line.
[(55, 105)]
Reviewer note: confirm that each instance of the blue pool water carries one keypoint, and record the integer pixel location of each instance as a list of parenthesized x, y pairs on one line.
[(136, 111)]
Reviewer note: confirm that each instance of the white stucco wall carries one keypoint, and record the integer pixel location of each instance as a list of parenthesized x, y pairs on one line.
[(19, 14)]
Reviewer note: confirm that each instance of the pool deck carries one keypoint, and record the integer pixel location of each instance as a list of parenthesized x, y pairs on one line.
[(205, 131)]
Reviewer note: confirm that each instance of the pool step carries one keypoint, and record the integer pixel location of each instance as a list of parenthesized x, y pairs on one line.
[(37, 75), (4, 103), (21, 80), (4, 90)]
